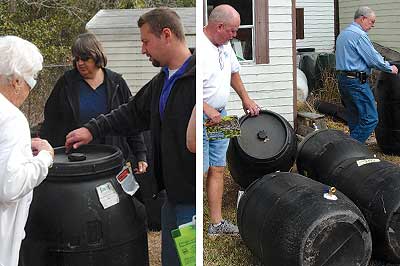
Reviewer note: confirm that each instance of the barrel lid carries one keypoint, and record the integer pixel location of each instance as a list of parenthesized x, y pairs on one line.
[(86, 160), (264, 136)]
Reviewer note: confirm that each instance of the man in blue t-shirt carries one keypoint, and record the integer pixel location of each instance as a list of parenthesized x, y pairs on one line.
[(355, 57), (164, 105)]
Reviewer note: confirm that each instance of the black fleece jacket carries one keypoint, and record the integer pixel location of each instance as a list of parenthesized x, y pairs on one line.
[(61, 112), (174, 164)]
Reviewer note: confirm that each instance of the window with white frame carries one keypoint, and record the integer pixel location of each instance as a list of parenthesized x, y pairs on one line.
[(251, 42)]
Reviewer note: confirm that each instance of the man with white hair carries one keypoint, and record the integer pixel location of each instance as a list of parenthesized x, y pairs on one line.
[(355, 57), (23, 162), (220, 71)]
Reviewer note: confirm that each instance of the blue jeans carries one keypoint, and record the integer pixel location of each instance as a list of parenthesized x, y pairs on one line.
[(173, 215), (214, 151), (362, 116)]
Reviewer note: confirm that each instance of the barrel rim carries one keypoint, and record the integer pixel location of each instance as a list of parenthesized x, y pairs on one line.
[(317, 225)]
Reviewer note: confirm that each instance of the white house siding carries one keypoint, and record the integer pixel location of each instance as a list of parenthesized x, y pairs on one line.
[(118, 32), (271, 85), (319, 32), (387, 27)]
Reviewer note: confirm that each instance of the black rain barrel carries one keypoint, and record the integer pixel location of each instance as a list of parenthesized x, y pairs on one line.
[(387, 95), (67, 224), (267, 143), (307, 64), (336, 110), (372, 184), (301, 52), (285, 220), (324, 67), (323, 150)]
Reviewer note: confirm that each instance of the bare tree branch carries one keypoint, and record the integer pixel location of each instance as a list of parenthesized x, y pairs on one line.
[(61, 5)]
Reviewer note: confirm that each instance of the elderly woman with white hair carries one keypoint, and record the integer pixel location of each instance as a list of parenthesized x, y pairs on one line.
[(24, 162)]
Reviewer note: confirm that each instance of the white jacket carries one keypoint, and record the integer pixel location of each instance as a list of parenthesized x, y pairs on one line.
[(20, 172)]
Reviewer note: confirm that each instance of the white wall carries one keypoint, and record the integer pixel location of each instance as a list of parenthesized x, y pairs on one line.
[(118, 32), (271, 85), (319, 32), (387, 27)]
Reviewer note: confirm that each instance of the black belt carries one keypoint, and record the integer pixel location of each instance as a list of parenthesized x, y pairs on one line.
[(362, 76), (354, 74)]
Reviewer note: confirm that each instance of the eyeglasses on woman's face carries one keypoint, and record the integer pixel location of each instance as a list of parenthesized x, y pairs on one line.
[(83, 57)]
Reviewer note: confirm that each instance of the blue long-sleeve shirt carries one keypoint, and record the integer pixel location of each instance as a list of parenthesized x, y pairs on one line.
[(355, 52)]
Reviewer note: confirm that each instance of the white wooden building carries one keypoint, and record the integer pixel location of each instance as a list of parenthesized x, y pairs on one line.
[(319, 31), (270, 83), (119, 34), (387, 27)]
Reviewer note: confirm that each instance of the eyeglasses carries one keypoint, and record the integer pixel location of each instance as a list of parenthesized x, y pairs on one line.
[(220, 57), (371, 20), (31, 82), (83, 57)]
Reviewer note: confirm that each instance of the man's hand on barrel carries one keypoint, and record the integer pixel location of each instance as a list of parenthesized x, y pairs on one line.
[(77, 138), (250, 107)]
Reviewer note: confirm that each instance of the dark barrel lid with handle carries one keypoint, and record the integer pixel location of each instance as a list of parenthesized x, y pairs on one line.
[(262, 137), (86, 160)]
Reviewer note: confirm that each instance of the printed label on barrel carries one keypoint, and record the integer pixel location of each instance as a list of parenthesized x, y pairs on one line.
[(367, 161), (107, 195), (122, 175)]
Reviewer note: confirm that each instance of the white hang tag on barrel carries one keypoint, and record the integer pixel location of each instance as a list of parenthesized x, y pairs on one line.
[(127, 180), (107, 195)]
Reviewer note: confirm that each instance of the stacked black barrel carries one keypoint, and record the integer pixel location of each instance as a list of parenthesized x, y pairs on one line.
[(333, 158), (284, 218), (267, 143)]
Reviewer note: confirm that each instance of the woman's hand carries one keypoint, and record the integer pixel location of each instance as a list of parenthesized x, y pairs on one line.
[(39, 144)]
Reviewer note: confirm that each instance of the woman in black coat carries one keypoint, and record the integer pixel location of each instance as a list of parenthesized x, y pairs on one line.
[(86, 92)]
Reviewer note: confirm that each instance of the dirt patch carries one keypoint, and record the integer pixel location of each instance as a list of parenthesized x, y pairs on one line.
[(154, 240)]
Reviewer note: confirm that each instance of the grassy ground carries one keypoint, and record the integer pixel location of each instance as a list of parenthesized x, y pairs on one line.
[(225, 250), (230, 250)]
